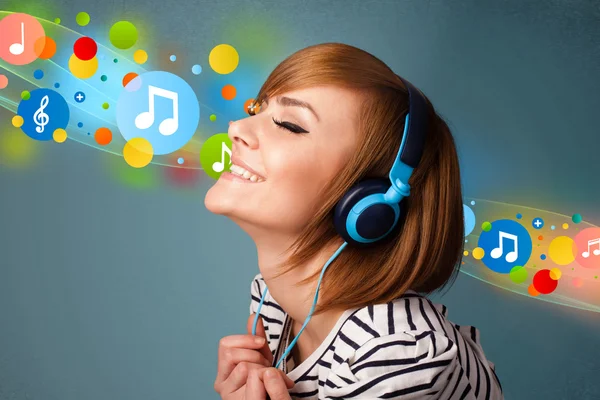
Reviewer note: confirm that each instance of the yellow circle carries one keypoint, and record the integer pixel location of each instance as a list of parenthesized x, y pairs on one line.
[(59, 135), (17, 121), (478, 253), (465, 253), (140, 56), (565, 226), (561, 251), (138, 152), (223, 59), (555, 273), (83, 69)]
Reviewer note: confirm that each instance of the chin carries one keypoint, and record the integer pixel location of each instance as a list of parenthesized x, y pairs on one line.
[(216, 201)]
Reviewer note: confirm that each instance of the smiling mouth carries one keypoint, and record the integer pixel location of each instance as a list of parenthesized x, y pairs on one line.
[(245, 174)]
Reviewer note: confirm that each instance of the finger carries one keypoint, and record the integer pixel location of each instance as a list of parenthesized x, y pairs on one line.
[(275, 385), (227, 355), (288, 382), (260, 332), (237, 378), (255, 389), (234, 356)]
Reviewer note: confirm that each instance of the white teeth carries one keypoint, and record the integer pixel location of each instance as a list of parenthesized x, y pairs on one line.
[(243, 173)]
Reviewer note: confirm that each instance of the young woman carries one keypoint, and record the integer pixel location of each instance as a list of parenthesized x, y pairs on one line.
[(343, 167)]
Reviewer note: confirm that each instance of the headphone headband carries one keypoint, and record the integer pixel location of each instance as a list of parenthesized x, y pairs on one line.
[(414, 135)]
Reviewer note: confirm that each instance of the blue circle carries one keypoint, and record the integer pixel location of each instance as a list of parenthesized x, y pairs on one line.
[(519, 216), (513, 238), (553, 227), (168, 92), (543, 256), (38, 74), (469, 219), (57, 85), (79, 97), (173, 57), (80, 124), (43, 113), (472, 202), (537, 223), (196, 69), (180, 160)]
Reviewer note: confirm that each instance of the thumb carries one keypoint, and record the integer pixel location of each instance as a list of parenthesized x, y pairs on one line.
[(260, 331)]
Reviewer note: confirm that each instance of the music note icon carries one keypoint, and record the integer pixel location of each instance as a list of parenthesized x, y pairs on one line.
[(219, 166), (18, 48), (498, 251), (596, 252), (146, 119)]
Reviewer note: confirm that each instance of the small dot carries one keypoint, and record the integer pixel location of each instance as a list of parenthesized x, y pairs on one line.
[(25, 95), (472, 202), (565, 226), (103, 78), (173, 57), (57, 20), (553, 227), (180, 160), (83, 18), (115, 60), (17, 121), (57, 85), (80, 124), (105, 106), (543, 256), (88, 134), (519, 216), (59, 135), (196, 69), (213, 117), (38, 74), (140, 56)]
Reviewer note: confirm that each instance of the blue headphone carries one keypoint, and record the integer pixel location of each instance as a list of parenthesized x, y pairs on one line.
[(370, 210)]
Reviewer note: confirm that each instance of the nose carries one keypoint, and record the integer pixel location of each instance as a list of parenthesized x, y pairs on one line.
[(241, 132)]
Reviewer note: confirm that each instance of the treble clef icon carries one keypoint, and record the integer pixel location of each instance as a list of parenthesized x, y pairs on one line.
[(40, 118)]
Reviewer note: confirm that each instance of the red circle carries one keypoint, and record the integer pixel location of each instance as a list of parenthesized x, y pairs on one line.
[(543, 282), (85, 48)]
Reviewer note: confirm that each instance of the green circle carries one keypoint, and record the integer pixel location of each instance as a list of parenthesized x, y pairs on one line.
[(518, 274), (213, 152), (25, 95), (103, 78), (57, 20), (123, 35), (83, 18), (105, 106), (213, 117), (577, 218), (486, 226), (115, 61)]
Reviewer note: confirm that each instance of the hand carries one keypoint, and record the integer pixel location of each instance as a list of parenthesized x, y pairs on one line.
[(267, 381), (238, 355)]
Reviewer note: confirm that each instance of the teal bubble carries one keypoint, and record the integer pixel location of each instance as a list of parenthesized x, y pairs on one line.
[(180, 160), (103, 78), (577, 218), (173, 57), (196, 69)]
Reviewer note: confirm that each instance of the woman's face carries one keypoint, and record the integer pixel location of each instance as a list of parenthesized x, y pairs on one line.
[(292, 165)]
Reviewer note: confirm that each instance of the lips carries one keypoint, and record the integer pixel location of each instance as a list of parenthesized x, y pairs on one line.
[(237, 161)]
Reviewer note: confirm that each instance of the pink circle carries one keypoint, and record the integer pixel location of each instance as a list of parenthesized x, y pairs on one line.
[(588, 248), (19, 34), (3, 81)]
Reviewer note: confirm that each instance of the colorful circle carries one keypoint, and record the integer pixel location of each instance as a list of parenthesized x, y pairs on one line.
[(80, 124), (83, 69), (543, 282), (196, 69), (555, 273), (103, 136), (105, 106), (164, 110), (79, 97), (20, 32), (59, 135), (38, 74), (3, 81), (577, 282), (57, 20), (469, 219), (478, 253), (486, 226), (519, 216), (128, 78), (57, 85), (173, 57), (85, 48), (506, 244), (43, 112), (537, 223), (518, 274), (82, 18), (140, 56), (180, 160), (562, 250), (138, 152), (587, 245), (123, 35), (223, 59), (213, 117), (565, 226), (104, 78), (215, 155), (576, 218), (228, 92), (17, 121), (25, 95), (532, 291), (45, 47)]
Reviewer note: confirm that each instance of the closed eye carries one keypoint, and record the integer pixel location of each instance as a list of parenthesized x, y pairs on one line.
[(290, 127)]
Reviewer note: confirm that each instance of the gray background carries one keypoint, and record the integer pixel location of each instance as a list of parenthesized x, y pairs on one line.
[(111, 292)]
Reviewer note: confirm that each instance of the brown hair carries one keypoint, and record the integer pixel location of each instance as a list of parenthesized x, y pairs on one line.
[(425, 252)]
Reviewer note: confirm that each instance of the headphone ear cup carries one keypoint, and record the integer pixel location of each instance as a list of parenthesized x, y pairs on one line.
[(349, 200)]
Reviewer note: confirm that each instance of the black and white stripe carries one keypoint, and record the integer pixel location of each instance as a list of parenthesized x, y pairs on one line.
[(404, 349)]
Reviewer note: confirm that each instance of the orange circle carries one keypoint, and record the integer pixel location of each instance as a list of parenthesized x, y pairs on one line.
[(128, 78), (540, 237), (228, 92), (45, 47), (532, 291), (103, 136), (247, 105)]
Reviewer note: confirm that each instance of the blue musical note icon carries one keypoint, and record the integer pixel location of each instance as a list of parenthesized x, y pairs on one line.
[(44, 112)]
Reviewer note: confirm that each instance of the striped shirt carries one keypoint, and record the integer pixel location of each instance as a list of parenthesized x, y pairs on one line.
[(405, 349)]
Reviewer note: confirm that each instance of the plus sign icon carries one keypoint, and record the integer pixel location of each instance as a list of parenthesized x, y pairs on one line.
[(79, 97), (537, 223)]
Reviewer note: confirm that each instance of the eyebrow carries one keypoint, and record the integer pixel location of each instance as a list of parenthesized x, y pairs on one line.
[(288, 101)]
